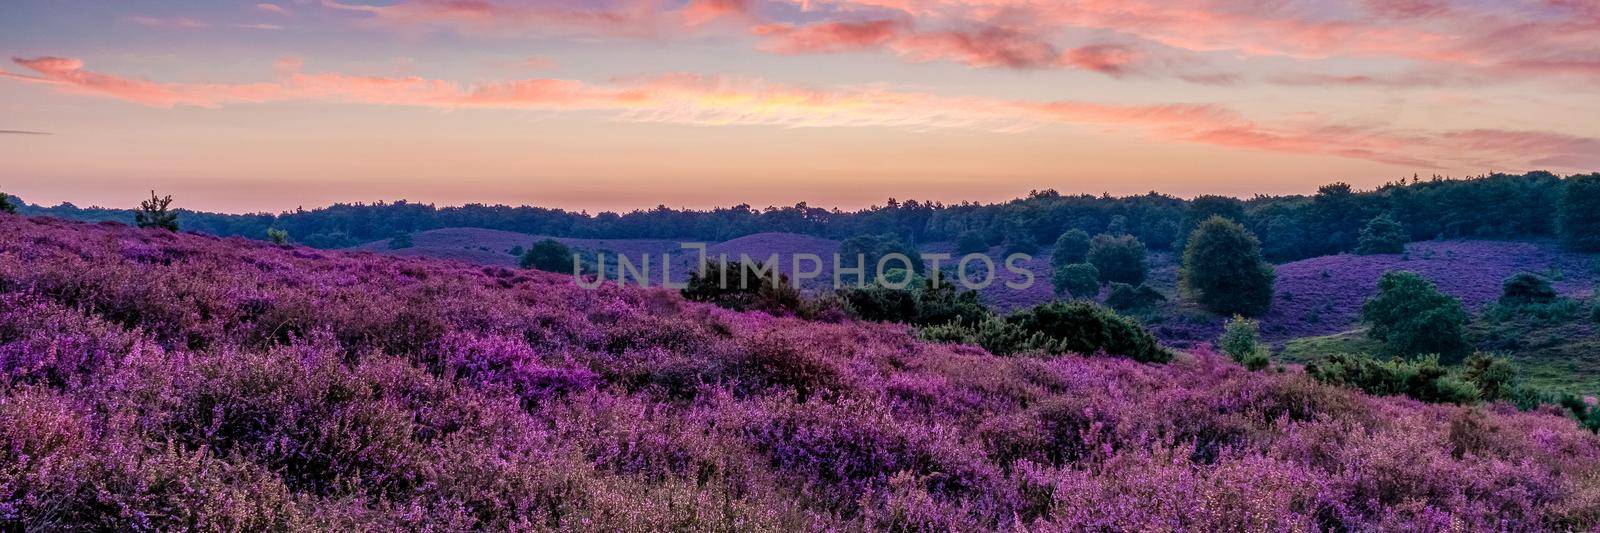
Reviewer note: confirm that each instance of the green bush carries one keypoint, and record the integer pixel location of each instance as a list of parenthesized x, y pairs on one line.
[(971, 242), (1423, 378), (1120, 259), (277, 236), (1086, 328), (1578, 215), (1382, 235), (1241, 341), (7, 205), (927, 301), (1495, 377), (745, 287), (1021, 244), (548, 255), (1081, 280), (1223, 269), (1526, 288), (1125, 298), (1412, 317), (1072, 247)]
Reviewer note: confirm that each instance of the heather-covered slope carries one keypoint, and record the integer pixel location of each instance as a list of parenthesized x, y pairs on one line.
[(494, 247), (163, 381), (1324, 295)]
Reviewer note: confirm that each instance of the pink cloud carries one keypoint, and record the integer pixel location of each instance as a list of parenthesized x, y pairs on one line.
[(718, 100), (175, 22), (272, 8)]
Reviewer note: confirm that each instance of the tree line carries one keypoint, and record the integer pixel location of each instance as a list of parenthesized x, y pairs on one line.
[(1499, 206)]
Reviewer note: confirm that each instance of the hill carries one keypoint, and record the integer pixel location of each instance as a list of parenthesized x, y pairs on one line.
[(1323, 295), (168, 381)]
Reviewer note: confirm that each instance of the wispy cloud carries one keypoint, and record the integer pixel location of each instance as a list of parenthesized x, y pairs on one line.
[(171, 23), (22, 132), (720, 100), (272, 8)]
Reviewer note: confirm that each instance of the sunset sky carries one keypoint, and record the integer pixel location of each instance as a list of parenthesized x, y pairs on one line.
[(622, 104)]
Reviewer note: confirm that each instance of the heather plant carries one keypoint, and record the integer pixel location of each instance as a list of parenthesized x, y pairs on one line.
[(164, 381), (154, 213), (548, 255), (1241, 341), (1382, 235), (1119, 259), (1578, 215), (1071, 247), (1412, 317), (1223, 269), (1081, 280)]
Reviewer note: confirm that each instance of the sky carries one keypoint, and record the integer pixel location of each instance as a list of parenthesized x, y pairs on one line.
[(625, 104)]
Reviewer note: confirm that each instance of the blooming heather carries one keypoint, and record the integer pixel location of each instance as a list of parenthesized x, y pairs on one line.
[(156, 380)]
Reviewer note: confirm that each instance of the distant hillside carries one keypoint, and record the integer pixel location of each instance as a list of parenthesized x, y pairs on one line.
[(1323, 295)]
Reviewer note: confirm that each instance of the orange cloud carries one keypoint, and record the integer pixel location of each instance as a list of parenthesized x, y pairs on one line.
[(716, 100), (272, 8)]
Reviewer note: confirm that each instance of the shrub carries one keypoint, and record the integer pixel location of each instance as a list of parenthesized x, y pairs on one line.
[(1412, 317), (1087, 328), (1081, 280), (919, 304), (1223, 269), (277, 236), (1125, 298), (516, 251), (1578, 215), (154, 213), (1071, 247), (1495, 377), (971, 242), (1241, 341), (7, 204), (1382, 235), (548, 255), (1020, 244), (1120, 259), (1526, 288), (1423, 378), (748, 287)]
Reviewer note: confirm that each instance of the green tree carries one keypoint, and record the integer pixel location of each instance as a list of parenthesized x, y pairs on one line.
[(1223, 269), (1125, 298), (1081, 280), (1382, 235), (971, 242), (1071, 247), (1086, 328), (154, 213), (7, 204), (1412, 317), (1526, 288), (874, 248), (548, 255), (1578, 215), (1241, 341), (1120, 259), (277, 236)]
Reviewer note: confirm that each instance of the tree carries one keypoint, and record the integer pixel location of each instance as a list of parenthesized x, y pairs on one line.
[(1578, 215), (1223, 269), (153, 213), (1081, 280), (971, 242), (1124, 297), (548, 255), (1071, 247), (1526, 288), (742, 287), (1412, 317), (1120, 259), (277, 236), (7, 205), (874, 248), (1203, 207), (1382, 235), (1241, 341)]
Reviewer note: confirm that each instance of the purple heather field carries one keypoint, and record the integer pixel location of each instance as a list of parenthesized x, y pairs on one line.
[(158, 381)]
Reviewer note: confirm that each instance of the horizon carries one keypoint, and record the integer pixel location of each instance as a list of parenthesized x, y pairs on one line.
[(606, 105)]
